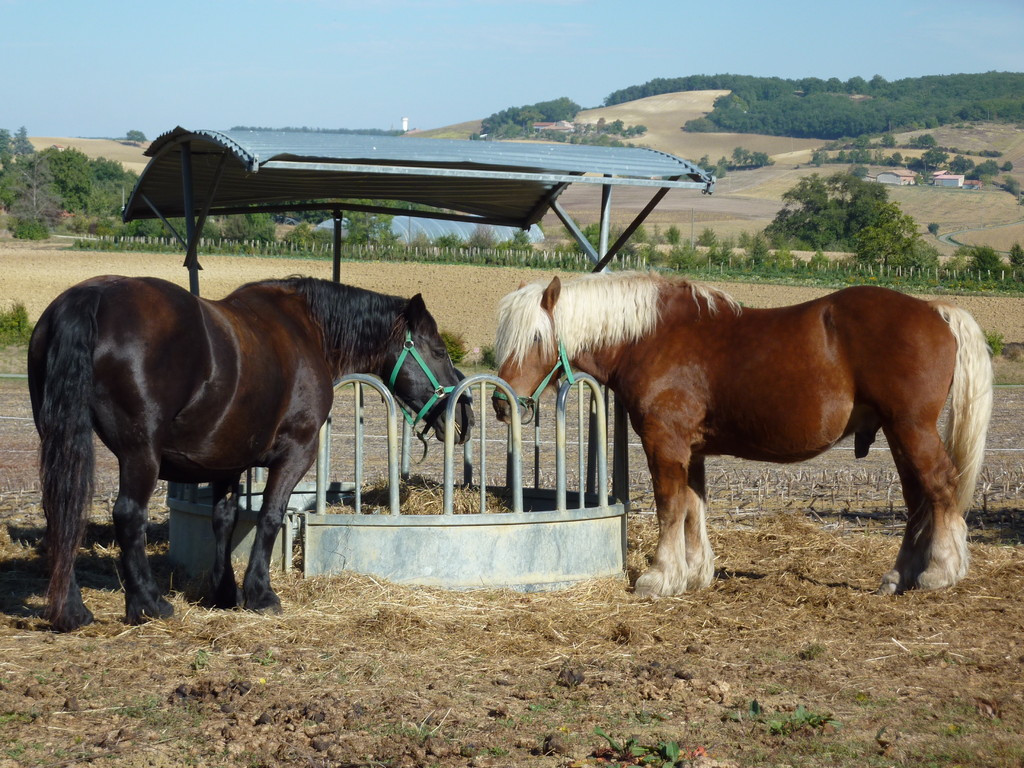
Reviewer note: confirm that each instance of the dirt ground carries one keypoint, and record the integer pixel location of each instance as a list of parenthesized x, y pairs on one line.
[(787, 659)]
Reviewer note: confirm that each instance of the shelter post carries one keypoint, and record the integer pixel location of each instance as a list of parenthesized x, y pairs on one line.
[(336, 268), (191, 240)]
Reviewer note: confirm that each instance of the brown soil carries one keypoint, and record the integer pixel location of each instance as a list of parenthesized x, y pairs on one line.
[(787, 659)]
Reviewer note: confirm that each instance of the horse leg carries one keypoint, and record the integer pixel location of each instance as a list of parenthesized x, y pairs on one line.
[(934, 549), (668, 574), (141, 596), (224, 592), (700, 558), (75, 614), (256, 589)]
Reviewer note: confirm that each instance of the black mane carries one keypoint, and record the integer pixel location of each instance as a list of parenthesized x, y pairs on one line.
[(357, 323)]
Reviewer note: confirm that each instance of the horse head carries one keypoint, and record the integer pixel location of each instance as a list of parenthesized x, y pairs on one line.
[(422, 375), (530, 358)]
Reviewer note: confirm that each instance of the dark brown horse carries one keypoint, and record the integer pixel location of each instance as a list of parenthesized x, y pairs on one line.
[(190, 390), (699, 376)]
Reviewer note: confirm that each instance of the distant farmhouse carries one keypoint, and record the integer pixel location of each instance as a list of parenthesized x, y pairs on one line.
[(899, 177), (563, 126), (946, 179)]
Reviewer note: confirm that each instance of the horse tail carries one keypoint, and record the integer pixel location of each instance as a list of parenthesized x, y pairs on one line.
[(970, 401), (61, 380)]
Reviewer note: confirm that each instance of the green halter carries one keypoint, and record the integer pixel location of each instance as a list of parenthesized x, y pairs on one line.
[(409, 348), (562, 362)]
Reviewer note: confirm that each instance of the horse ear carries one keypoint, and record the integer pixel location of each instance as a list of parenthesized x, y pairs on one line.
[(550, 296), (416, 311)]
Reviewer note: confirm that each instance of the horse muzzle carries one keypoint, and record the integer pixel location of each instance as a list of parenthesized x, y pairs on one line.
[(462, 423)]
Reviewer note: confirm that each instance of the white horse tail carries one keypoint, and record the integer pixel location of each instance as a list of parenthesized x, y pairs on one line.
[(970, 401)]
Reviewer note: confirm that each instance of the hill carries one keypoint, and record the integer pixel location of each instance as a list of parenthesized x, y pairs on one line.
[(127, 153), (744, 201), (664, 116), (457, 131), (831, 109)]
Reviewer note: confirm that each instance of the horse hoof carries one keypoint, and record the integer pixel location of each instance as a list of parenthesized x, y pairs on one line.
[(890, 584), (269, 610), (226, 599), (650, 586), (160, 609), (268, 605), (71, 620)]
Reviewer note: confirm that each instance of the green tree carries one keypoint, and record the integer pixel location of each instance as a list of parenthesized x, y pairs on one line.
[(889, 239), (450, 240), (758, 251), (960, 164), (1017, 256), (365, 228), (249, 226), (707, 238), (827, 213), (483, 237), (21, 145), (984, 257), (988, 168), (301, 236), (111, 184), (35, 198), (519, 241), (72, 177), (5, 144), (934, 158), (921, 255), (137, 136)]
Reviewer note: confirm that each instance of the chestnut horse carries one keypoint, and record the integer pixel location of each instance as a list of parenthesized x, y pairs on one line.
[(701, 376), (190, 390)]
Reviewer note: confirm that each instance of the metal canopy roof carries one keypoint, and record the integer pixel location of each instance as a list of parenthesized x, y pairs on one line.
[(205, 172)]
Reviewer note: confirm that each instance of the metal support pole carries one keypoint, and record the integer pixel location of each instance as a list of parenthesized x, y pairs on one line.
[(336, 267), (606, 217), (620, 456), (191, 259)]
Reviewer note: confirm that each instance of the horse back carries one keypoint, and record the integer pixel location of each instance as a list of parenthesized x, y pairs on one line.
[(785, 384), (205, 384), (862, 340)]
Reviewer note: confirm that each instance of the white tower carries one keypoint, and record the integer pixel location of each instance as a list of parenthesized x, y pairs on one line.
[(405, 124)]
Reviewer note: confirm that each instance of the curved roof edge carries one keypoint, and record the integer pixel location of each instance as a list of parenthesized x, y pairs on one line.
[(254, 149), (198, 173)]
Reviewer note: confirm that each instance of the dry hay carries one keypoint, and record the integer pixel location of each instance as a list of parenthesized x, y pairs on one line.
[(419, 495), (357, 671)]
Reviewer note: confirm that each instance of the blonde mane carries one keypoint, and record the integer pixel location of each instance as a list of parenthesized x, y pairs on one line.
[(594, 311)]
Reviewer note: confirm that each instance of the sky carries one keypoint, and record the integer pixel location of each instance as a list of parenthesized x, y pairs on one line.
[(100, 69)]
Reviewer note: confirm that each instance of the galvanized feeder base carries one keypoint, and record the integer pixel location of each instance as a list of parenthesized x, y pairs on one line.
[(191, 525), (540, 549), (535, 550)]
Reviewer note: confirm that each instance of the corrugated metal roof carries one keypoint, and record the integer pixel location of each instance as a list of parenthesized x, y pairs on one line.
[(502, 183)]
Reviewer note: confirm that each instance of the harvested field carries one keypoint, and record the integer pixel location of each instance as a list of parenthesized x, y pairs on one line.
[(787, 659)]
